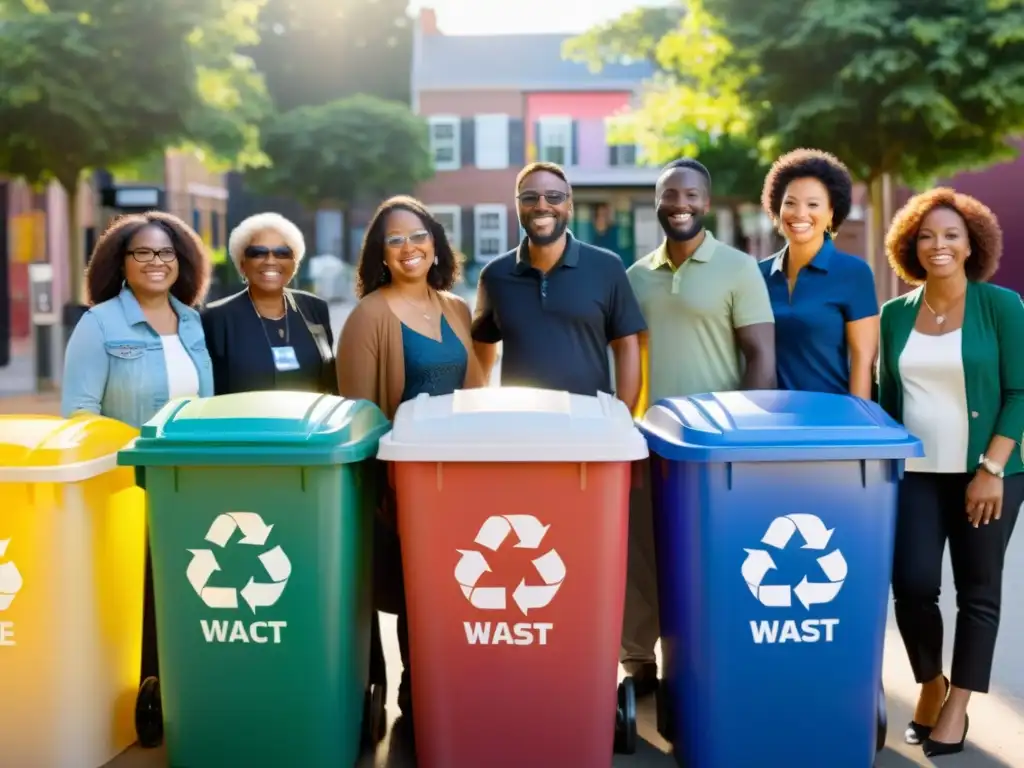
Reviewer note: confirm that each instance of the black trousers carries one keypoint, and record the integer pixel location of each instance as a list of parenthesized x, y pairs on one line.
[(389, 597), (932, 510)]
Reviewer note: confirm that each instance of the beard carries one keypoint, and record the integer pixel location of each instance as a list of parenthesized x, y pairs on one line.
[(561, 224), (681, 235)]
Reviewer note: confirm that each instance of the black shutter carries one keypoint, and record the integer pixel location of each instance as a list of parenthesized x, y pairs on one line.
[(516, 142), (468, 231), (575, 133), (467, 138)]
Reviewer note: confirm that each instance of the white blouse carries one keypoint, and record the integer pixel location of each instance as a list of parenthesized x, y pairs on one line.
[(182, 376)]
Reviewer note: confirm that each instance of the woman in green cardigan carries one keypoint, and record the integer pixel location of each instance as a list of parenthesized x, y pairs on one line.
[(951, 369)]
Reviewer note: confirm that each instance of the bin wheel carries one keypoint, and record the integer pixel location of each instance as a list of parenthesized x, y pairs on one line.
[(375, 715), (625, 718), (883, 721), (149, 714)]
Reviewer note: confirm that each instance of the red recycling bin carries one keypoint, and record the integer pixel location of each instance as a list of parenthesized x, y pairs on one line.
[(513, 516)]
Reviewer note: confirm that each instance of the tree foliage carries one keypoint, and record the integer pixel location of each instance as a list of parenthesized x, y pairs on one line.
[(317, 51), (346, 152), (635, 36)]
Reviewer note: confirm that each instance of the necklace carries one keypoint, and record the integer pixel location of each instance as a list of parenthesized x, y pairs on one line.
[(426, 315), (940, 319)]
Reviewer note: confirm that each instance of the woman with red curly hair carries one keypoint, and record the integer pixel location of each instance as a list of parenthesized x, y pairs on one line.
[(951, 371)]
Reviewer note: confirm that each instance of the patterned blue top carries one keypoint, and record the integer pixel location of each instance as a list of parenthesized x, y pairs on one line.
[(431, 366)]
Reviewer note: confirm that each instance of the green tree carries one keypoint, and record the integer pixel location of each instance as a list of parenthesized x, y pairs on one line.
[(910, 90), (633, 36), (350, 151), (317, 51), (98, 83)]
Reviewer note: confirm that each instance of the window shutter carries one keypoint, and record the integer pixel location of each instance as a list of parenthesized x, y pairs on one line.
[(538, 145), (468, 232), (516, 142), (467, 135), (575, 133)]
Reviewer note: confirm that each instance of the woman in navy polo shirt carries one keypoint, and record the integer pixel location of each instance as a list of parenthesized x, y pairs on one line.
[(826, 310)]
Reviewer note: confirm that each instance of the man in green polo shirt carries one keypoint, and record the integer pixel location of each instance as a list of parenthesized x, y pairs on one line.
[(710, 328)]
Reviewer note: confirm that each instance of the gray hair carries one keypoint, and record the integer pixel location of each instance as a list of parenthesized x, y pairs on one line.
[(243, 235)]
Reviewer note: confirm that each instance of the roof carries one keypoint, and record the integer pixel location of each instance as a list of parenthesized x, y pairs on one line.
[(516, 62)]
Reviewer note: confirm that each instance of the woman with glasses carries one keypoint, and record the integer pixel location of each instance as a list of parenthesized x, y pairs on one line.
[(269, 336), (141, 342), (407, 336)]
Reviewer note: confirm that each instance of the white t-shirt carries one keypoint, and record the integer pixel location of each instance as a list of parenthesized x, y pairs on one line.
[(182, 376)]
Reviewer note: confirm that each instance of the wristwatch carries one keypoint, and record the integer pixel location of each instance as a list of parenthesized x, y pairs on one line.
[(990, 466)]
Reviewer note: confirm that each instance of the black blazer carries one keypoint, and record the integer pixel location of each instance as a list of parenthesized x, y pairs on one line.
[(233, 329)]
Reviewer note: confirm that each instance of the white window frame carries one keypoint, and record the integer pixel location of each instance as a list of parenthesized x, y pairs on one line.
[(494, 121), (488, 209), (562, 123), (455, 122), (455, 211)]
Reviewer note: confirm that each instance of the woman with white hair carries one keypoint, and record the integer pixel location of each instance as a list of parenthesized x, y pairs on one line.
[(269, 336)]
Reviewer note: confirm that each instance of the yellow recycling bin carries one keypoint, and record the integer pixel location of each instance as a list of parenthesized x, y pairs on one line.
[(72, 568)]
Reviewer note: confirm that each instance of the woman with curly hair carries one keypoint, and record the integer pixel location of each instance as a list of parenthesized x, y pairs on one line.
[(141, 343), (409, 335), (826, 310), (269, 336), (952, 372)]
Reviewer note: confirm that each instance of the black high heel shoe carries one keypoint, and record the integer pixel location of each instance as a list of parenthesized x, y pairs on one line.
[(917, 733), (940, 748)]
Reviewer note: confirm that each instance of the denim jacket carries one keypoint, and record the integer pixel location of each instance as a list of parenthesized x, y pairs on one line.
[(114, 365)]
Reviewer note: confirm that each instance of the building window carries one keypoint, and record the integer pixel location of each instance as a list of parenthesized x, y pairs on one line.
[(622, 155), (491, 144), (445, 142), (554, 145), (450, 217), (490, 231)]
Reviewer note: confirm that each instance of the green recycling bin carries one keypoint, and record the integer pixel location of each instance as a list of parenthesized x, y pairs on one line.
[(260, 510)]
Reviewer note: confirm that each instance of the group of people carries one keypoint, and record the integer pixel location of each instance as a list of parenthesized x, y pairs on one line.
[(694, 316)]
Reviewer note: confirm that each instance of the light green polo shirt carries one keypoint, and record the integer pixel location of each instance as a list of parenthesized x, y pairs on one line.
[(692, 313)]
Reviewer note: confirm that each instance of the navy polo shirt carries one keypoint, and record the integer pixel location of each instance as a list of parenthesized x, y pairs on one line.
[(834, 289), (556, 327)]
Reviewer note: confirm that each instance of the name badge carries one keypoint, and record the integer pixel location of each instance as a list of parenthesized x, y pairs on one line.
[(285, 358)]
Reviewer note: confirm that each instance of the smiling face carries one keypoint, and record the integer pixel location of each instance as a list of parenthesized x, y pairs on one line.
[(544, 207), (150, 264), (682, 201), (943, 243), (268, 263), (806, 212), (408, 247)]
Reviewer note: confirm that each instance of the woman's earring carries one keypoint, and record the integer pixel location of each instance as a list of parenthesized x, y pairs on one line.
[(436, 260)]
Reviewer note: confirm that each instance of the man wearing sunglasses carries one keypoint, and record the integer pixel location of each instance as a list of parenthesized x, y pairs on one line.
[(557, 304)]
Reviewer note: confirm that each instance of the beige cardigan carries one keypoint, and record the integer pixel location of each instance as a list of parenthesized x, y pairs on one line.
[(370, 359)]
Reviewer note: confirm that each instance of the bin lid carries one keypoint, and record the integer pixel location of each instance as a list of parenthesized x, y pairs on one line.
[(49, 449), (774, 426), (513, 424), (259, 429)]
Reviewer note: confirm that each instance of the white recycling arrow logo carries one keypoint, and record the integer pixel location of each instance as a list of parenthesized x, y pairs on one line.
[(816, 536), (257, 594), (530, 533), (10, 578)]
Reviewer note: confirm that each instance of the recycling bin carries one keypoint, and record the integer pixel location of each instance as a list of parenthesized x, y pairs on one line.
[(513, 515), (72, 553), (260, 509), (774, 517)]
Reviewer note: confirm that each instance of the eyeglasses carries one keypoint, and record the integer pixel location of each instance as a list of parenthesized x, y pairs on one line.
[(416, 238), (262, 252), (146, 255), (553, 197)]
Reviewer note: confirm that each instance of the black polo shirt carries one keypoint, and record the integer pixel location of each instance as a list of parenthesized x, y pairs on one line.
[(556, 327)]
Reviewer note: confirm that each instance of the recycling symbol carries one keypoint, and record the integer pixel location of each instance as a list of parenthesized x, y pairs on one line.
[(257, 594), (10, 579), (530, 532), (816, 537)]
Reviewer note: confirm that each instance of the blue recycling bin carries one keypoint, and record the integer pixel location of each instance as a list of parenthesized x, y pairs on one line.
[(774, 519)]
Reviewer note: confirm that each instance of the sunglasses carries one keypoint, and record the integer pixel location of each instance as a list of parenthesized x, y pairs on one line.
[(262, 252), (553, 197), (416, 238)]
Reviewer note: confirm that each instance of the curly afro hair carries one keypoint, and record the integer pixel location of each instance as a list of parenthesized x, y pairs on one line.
[(372, 273), (983, 233), (105, 273), (813, 164)]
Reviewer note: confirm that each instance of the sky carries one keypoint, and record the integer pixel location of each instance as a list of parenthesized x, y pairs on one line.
[(482, 17)]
